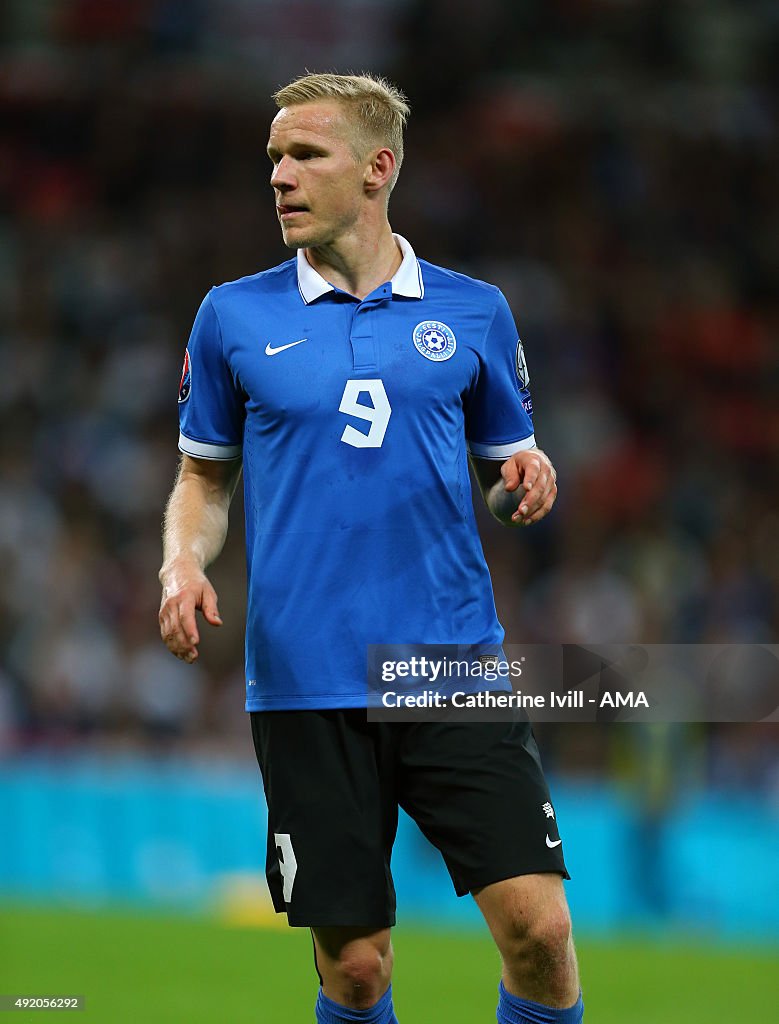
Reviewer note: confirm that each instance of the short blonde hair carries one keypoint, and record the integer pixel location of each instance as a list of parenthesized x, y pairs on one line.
[(380, 108)]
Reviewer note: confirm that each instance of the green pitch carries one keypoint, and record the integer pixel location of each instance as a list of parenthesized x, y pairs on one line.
[(134, 968)]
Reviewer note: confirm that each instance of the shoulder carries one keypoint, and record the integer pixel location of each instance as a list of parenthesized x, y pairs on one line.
[(275, 281), (442, 278)]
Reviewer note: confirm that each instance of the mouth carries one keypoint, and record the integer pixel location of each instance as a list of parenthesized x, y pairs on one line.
[(288, 211)]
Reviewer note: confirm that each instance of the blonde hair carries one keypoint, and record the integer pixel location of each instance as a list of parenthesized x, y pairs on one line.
[(380, 108)]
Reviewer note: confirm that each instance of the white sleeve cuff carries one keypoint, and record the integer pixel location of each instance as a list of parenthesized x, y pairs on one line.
[(201, 450), (500, 451)]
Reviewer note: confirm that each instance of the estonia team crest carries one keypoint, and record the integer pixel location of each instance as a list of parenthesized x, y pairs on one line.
[(434, 340), (185, 385), (523, 375)]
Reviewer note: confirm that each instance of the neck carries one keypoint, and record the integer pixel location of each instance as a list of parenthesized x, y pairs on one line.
[(358, 264)]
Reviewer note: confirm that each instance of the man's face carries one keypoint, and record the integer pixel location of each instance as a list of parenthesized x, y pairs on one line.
[(316, 177)]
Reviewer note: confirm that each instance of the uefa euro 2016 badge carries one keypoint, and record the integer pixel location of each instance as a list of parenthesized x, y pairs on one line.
[(185, 385), (434, 340)]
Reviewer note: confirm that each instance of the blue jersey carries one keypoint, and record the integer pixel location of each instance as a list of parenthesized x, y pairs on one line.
[(354, 419)]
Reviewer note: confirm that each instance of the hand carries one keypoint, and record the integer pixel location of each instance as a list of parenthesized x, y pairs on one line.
[(531, 474), (184, 589)]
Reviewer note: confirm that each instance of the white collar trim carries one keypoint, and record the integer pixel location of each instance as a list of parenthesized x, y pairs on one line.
[(406, 281)]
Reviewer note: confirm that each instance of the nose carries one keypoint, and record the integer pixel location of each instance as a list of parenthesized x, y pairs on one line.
[(281, 177)]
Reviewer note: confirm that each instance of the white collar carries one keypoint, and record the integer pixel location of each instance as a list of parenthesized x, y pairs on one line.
[(406, 281)]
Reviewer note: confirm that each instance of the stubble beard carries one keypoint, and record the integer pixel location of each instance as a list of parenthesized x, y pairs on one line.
[(302, 240), (314, 235)]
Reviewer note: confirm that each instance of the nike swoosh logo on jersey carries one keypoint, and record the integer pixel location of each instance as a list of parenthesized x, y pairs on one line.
[(270, 351), (551, 843)]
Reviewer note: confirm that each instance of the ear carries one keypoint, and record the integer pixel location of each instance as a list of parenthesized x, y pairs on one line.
[(380, 170)]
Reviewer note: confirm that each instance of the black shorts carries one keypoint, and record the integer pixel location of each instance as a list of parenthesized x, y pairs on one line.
[(333, 783)]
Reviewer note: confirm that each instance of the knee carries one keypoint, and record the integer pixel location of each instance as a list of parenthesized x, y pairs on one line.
[(542, 940), (365, 972), (549, 937), (361, 973), (529, 920)]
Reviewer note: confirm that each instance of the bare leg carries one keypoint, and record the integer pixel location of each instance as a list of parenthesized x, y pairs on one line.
[(354, 964), (529, 920)]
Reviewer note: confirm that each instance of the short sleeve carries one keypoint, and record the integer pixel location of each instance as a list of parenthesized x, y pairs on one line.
[(211, 409), (499, 409)]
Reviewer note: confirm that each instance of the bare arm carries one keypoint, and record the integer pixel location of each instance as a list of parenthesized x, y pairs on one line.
[(194, 532), (519, 491)]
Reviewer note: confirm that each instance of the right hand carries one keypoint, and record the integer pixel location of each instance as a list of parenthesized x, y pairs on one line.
[(185, 589)]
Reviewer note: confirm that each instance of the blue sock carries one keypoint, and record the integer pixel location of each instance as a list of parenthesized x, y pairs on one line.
[(328, 1012), (513, 1010)]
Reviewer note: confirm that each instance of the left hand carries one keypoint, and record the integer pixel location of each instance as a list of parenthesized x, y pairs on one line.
[(531, 474)]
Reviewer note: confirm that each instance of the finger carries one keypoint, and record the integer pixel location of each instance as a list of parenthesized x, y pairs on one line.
[(533, 471), (178, 646), (536, 495), (210, 607), (173, 631), (510, 473), (181, 648), (164, 620), (169, 628), (540, 513), (188, 624), (535, 500), (177, 643)]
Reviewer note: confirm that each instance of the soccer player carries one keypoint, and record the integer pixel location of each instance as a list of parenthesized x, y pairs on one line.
[(351, 383)]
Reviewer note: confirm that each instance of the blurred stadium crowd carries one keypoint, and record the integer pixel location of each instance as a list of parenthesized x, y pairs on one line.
[(610, 165)]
